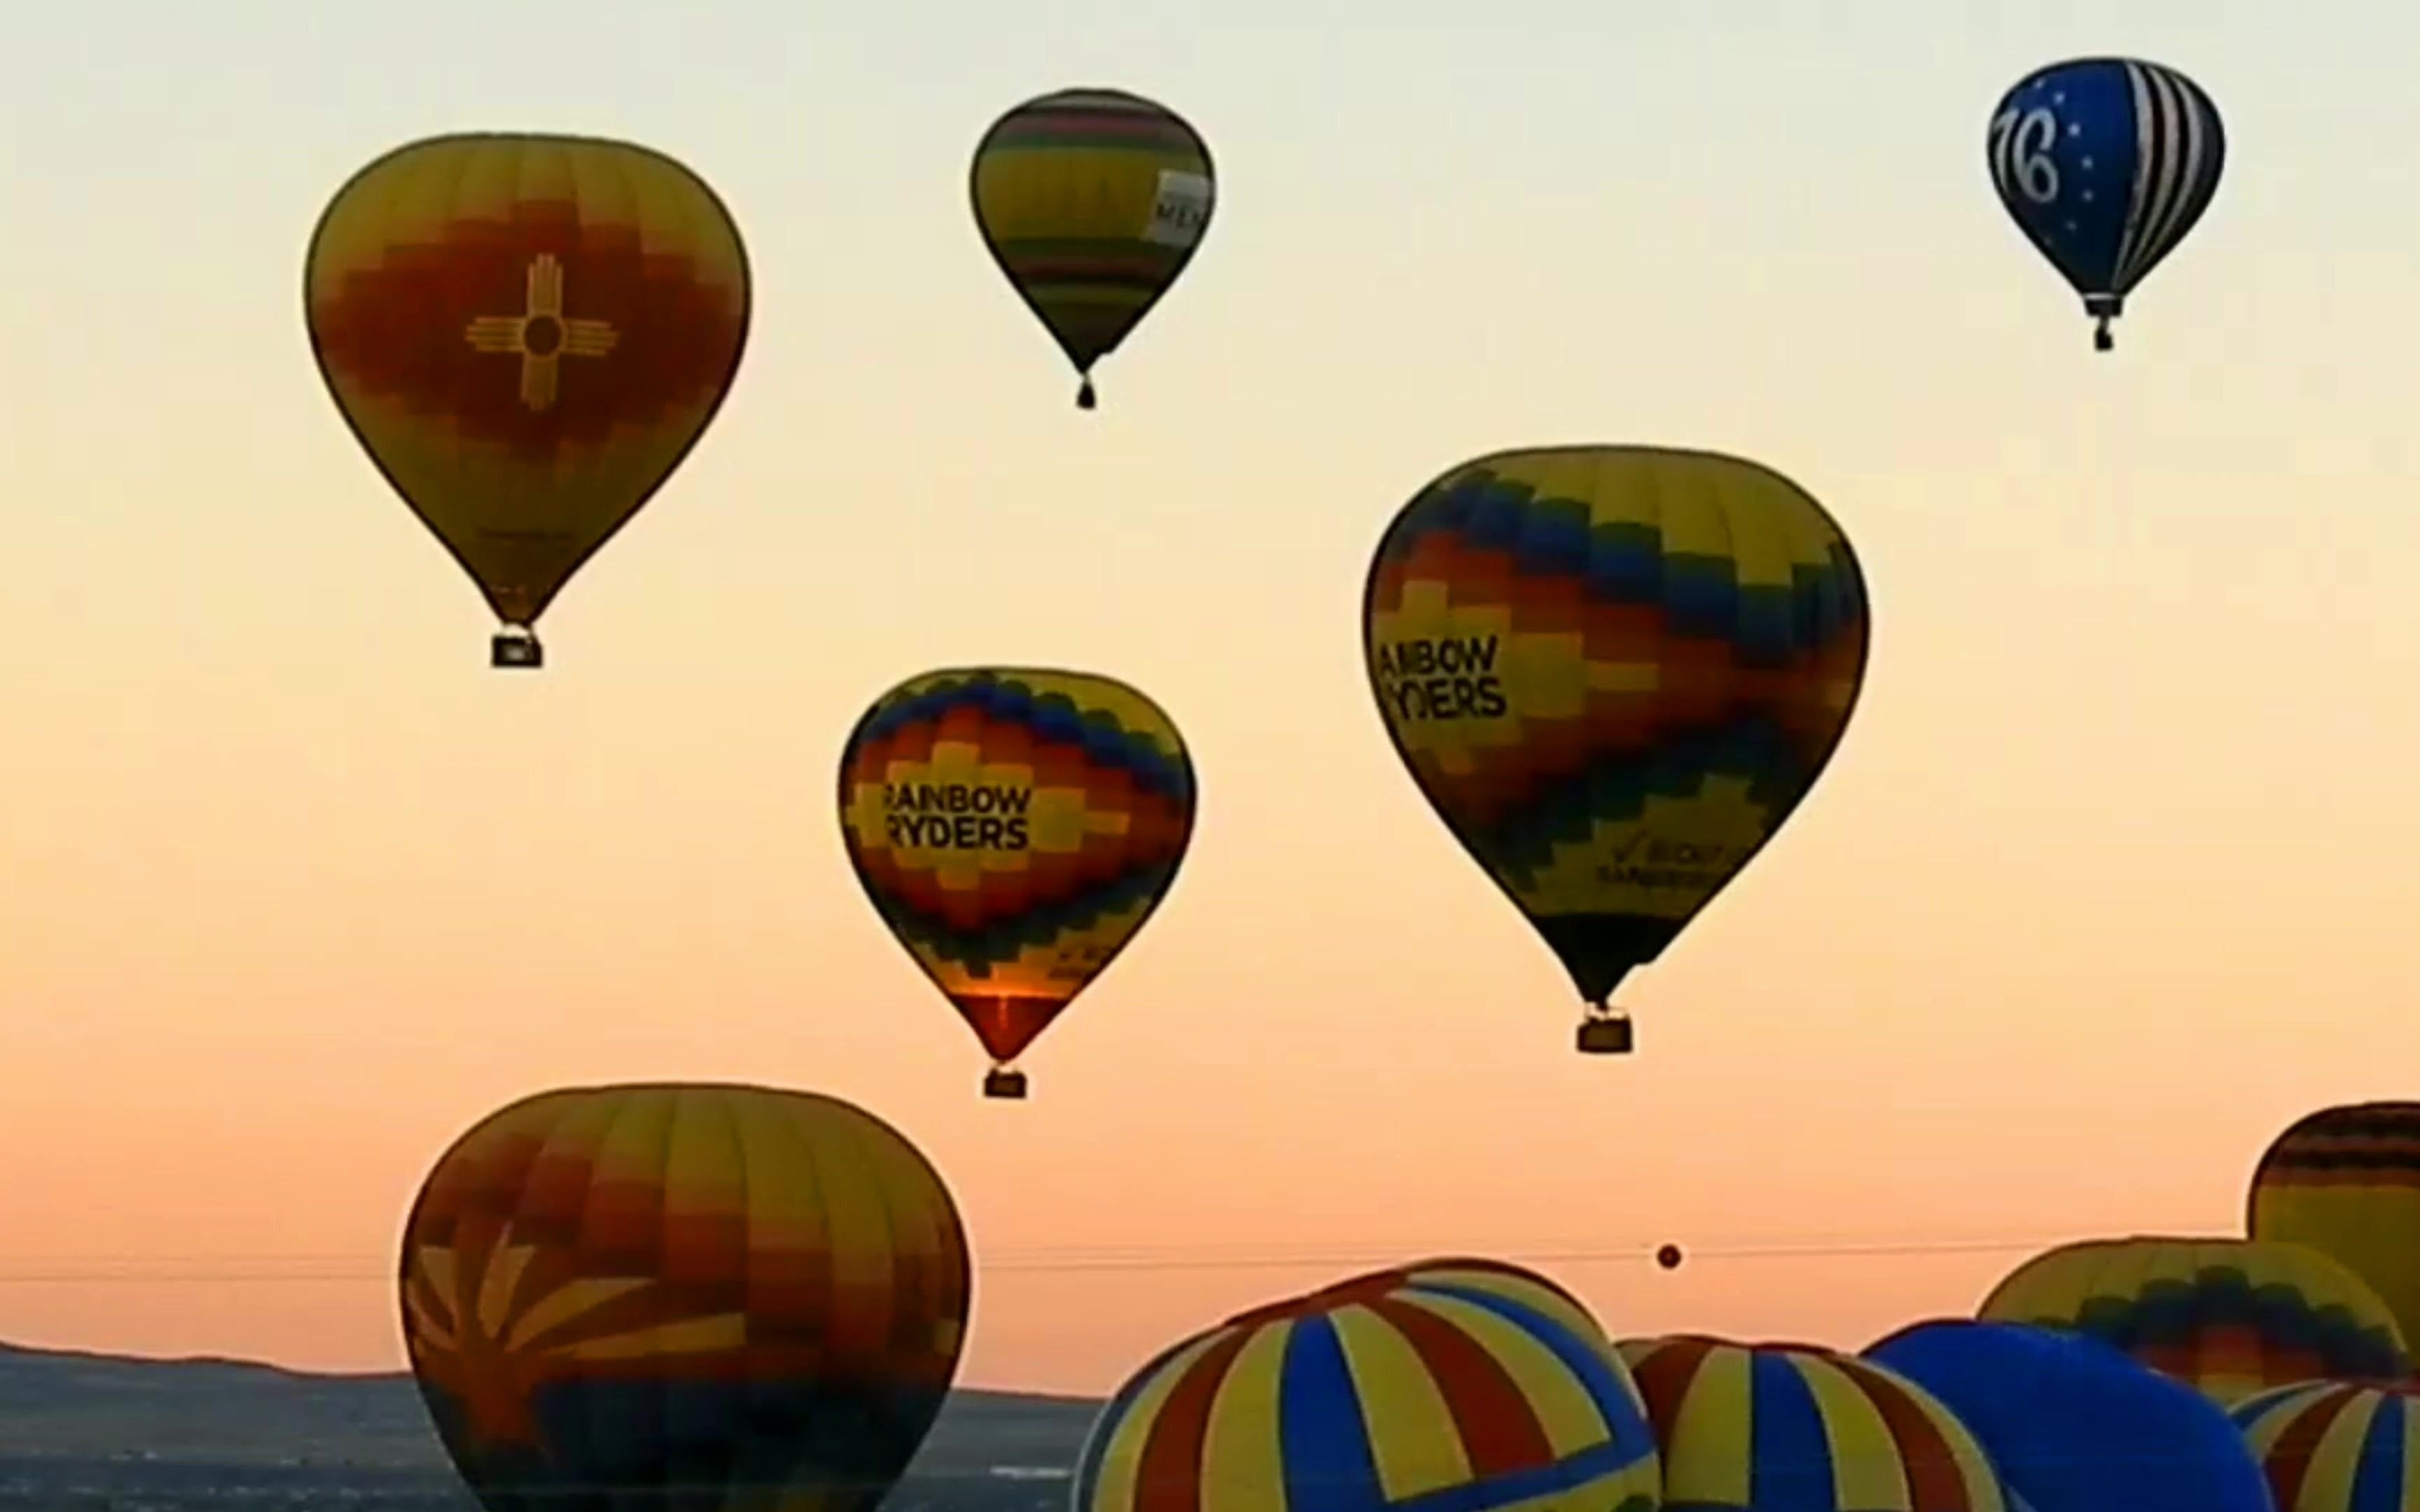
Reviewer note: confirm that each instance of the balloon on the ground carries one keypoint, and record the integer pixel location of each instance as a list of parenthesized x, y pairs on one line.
[(2073, 1424), (1781, 1427), (1614, 671), (2105, 163), (1456, 1383), (1014, 827), (2227, 1316), (693, 1297), (1091, 201), (2334, 1446), (2346, 1181)]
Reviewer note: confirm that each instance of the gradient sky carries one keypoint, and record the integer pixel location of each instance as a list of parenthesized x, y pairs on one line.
[(2106, 883)]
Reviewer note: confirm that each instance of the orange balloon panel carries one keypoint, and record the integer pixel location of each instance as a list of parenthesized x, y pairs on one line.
[(702, 1297), (528, 333), (1015, 829)]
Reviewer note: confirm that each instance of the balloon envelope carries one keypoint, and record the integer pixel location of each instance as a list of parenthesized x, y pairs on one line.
[(2333, 1447), (2105, 165), (2074, 1426), (527, 333), (2227, 1316), (1454, 1383), (1614, 671), (1092, 202), (1779, 1428), (2346, 1181), (643, 1298), (1014, 827)]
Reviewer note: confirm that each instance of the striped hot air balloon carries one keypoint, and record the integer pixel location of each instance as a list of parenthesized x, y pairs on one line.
[(2226, 1316), (1795, 1429), (2346, 1181), (1092, 202), (2336, 1446), (2105, 165), (1455, 1385)]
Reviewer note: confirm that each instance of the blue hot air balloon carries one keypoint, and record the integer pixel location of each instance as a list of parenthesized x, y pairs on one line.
[(2074, 1426), (2106, 163)]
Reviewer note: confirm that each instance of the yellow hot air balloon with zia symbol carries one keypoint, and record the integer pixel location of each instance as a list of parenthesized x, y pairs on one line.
[(527, 333)]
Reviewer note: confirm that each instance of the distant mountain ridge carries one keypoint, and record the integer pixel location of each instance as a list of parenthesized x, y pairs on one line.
[(78, 1405)]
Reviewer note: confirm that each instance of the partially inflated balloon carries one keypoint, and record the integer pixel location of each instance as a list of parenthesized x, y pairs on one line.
[(2074, 1426), (1468, 1386), (2105, 163), (1014, 827), (2346, 1181), (2228, 1317), (1779, 1427), (2332, 1446), (1614, 671), (715, 1299), (1092, 202), (527, 333)]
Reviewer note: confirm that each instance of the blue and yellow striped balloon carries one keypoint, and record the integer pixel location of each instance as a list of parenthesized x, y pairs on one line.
[(1452, 1385), (1794, 1429), (2335, 1445)]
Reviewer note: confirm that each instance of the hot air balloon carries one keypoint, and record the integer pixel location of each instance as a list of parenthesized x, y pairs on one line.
[(2346, 1181), (2333, 1447), (1014, 827), (1614, 671), (1468, 1386), (1786, 1428), (2105, 163), (2227, 1316), (527, 333), (1091, 201), (2074, 1426), (709, 1297)]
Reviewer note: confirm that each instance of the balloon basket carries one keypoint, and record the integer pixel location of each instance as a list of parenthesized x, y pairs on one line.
[(1605, 1036), (521, 650), (1005, 1084)]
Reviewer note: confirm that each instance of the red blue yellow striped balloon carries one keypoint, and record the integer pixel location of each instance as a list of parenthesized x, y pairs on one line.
[(1452, 1385), (2335, 1446), (1795, 1429)]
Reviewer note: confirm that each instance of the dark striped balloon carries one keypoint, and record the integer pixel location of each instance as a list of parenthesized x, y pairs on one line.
[(2105, 165), (1091, 201)]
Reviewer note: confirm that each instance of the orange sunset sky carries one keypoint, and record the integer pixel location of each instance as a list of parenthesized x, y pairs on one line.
[(2109, 880)]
